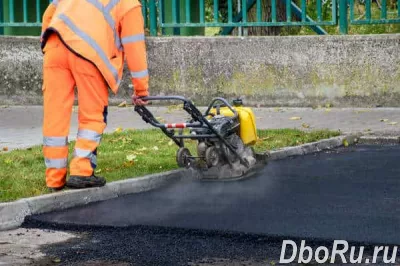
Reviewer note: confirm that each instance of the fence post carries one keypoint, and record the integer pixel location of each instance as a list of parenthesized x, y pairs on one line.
[(1, 19), (153, 17), (343, 18)]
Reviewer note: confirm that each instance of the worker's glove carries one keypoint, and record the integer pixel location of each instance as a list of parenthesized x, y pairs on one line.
[(136, 100)]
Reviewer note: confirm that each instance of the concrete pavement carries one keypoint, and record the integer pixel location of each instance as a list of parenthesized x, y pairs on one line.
[(20, 126), (22, 246)]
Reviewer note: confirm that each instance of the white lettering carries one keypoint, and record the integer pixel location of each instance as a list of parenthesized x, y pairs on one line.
[(385, 255), (303, 248), (341, 252), (325, 257), (360, 255), (283, 251), (376, 252)]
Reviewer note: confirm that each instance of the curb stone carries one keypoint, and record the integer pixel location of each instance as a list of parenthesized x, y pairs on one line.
[(12, 214), (68, 199), (313, 147), (137, 185), (379, 140)]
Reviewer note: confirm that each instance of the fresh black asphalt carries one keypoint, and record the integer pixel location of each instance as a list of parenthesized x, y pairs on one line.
[(352, 194)]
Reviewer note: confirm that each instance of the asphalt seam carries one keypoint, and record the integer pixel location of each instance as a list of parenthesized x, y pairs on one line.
[(12, 214), (313, 147), (379, 140)]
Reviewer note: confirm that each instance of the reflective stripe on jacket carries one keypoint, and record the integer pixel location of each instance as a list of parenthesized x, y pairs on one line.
[(103, 32)]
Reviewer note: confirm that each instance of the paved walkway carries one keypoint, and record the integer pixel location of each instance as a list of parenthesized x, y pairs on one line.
[(21, 126)]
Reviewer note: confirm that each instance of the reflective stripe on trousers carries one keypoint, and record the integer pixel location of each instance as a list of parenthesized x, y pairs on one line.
[(55, 142), (90, 135)]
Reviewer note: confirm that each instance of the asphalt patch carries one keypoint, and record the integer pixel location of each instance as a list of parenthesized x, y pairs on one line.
[(351, 194), (159, 246)]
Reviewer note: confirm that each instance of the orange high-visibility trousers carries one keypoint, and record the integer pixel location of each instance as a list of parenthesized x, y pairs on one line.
[(62, 71)]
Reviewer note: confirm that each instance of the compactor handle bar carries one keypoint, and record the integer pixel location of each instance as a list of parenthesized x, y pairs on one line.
[(198, 119), (187, 106), (148, 117)]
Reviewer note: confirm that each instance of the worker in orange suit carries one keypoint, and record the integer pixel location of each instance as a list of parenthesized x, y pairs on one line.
[(84, 44)]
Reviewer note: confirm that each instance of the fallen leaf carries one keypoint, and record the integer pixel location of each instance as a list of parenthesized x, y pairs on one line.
[(160, 119), (361, 111), (130, 157), (128, 164), (295, 118), (305, 125), (142, 149), (171, 108), (155, 148), (123, 104), (57, 260), (98, 171), (118, 129), (170, 143), (5, 148), (392, 123), (384, 120), (345, 143)]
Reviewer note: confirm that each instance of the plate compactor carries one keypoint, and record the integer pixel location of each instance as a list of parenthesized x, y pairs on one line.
[(224, 135)]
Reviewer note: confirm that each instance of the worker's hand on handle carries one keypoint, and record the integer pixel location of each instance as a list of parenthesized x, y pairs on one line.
[(137, 100)]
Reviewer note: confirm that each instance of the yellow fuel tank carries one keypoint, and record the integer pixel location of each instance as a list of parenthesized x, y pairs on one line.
[(248, 129)]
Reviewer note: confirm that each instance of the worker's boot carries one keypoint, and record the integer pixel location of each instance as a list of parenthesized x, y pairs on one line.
[(55, 189), (86, 181)]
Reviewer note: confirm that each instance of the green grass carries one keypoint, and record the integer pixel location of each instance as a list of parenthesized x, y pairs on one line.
[(123, 155)]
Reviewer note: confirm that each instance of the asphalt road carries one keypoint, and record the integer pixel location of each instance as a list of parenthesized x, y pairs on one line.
[(351, 194)]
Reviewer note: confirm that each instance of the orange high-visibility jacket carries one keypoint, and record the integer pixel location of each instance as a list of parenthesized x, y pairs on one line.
[(103, 32)]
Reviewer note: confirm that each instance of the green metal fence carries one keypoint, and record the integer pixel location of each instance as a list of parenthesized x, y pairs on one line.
[(237, 14), (19, 15), (172, 16), (382, 17)]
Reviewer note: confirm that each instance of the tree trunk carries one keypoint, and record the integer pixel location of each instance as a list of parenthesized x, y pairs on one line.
[(252, 17), (266, 16)]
